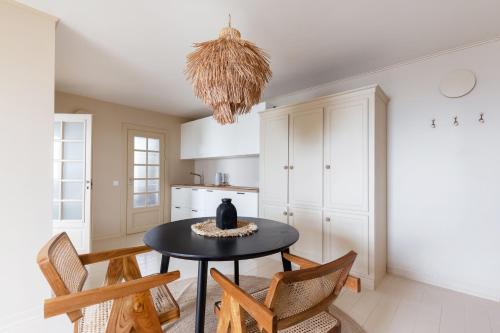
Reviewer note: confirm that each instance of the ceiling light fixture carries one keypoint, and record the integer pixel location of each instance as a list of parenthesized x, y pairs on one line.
[(228, 74)]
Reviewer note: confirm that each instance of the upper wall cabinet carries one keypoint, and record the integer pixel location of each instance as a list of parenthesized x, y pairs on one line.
[(205, 138)]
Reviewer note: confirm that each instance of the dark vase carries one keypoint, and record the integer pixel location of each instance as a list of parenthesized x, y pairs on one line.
[(227, 216)]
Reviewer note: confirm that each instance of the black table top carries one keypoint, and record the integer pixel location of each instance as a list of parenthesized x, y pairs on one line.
[(176, 239)]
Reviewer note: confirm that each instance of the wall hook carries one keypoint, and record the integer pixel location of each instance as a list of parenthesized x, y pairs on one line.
[(433, 125), (481, 118), (455, 121)]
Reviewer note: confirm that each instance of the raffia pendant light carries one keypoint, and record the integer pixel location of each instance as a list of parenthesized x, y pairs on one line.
[(228, 74)]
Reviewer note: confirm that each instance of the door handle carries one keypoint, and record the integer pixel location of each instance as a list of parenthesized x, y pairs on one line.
[(290, 214), (291, 167), (327, 219), (285, 167), (285, 213), (327, 166)]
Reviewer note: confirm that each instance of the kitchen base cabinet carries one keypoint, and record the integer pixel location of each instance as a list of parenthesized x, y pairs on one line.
[(179, 213), (191, 202)]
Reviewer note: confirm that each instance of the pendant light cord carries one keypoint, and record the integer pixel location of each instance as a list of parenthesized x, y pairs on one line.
[(230, 20)]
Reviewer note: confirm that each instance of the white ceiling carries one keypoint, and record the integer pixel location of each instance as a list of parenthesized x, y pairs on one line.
[(133, 52)]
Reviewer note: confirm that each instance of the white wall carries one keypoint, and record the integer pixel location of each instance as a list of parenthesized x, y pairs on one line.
[(243, 171), (443, 183), (26, 104)]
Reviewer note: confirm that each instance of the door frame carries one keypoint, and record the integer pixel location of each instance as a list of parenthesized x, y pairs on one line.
[(87, 200), (126, 127)]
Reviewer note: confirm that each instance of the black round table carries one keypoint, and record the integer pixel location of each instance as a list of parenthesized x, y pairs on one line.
[(176, 239)]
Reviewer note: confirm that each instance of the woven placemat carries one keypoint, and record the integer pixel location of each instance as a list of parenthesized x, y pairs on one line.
[(209, 229)]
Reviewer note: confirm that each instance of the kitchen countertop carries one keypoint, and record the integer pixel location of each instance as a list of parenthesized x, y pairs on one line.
[(223, 188)]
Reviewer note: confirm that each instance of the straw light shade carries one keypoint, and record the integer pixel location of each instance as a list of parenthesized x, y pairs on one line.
[(228, 74)]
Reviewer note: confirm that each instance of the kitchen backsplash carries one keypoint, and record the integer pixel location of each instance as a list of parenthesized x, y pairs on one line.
[(243, 171)]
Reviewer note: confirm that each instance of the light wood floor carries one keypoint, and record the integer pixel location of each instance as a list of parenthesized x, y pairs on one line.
[(398, 306)]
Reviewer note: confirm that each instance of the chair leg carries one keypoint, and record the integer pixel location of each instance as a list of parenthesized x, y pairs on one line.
[(237, 318), (224, 315)]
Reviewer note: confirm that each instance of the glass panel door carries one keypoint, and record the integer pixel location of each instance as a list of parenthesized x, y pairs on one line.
[(145, 160), (71, 178)]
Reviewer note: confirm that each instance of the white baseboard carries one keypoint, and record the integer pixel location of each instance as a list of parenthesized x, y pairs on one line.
[(15, 322), (474, 290)]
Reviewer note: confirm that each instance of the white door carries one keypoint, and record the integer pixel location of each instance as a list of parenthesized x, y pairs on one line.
[(346, 156), (72, 178), (345, 232), (274, 157), (309, 224), (306, 158), (146, 177)]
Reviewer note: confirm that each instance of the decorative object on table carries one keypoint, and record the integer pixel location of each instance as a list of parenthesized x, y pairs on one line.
[(209, 228), (228, 74), (457, 83), (226, 215)]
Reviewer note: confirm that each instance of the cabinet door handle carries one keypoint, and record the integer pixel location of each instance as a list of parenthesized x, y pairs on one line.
[(291, 167), (177, 188), (177, 207), (209, 190), (285, 167), (194, 189), (240, 193), (327, 219), (194, 210), (285, 213), (327, 166), (290, 214)]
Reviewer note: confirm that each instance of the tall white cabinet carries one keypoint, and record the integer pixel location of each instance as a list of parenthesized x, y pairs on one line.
[(323, 170)]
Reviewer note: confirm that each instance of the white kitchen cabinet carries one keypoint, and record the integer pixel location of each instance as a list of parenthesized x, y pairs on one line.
[(306, 158), (346, 155), (205, 138), (274, 160), (212, 201), (179, 213), (323, 163), (309, 223), (190, 202), (181, 196), (345, 232), (274, 212), (246, 203), (198, 200)]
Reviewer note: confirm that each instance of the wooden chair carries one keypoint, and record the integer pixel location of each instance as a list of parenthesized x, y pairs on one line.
[(296, 301), (140, 303)]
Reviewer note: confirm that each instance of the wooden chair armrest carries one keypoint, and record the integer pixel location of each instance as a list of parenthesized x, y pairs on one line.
[(352, 283), (76, 301), (301, 262), (92, 258), (264, 316)]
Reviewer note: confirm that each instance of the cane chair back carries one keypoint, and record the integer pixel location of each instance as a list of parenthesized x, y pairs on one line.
[(296, 295), (63, 269)]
